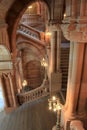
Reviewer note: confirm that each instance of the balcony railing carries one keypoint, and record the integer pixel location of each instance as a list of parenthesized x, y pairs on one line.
[(31, 32), (33, 94)]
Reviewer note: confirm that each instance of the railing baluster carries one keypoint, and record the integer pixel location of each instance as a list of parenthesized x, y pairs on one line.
[(29, 30), (33, 94)]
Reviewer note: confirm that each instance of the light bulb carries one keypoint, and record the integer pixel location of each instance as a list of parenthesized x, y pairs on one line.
[(53, 98), (54, 109), (50, 108), (64, 15)]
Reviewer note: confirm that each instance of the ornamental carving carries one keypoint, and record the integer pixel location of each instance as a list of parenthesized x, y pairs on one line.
[(75, 32)]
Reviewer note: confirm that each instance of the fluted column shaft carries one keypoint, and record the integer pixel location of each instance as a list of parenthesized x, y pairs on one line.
[(12, 90), (69, 72), (74, 9), (83, 90), (58, 50), (53, 51), (75, 79)]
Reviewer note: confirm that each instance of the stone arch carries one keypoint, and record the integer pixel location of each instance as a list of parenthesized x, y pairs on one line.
[(14, 15), (39, 50)]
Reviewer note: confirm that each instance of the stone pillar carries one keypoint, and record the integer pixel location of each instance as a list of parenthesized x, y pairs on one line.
[(69, 72), (74, 82), (68, 10), (58, 50), (83, 89), (53, 51), (19, 73), (4, 35), (12, 90), (74, 8), (83, 7), (55, 72), (6, 85)]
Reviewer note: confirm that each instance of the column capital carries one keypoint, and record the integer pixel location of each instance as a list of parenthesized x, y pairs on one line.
[(55, 27), (76, 32)]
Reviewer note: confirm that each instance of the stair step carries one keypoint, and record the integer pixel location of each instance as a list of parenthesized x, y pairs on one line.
[(30, 117)]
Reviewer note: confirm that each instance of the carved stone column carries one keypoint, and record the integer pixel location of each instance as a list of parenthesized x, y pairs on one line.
[(55, 59), (76, 90), (4, 35), (53, 51), (82, 99), (83, 8), (7, 88), (74, 82), (74, 9), (12, 90), (58, 49)]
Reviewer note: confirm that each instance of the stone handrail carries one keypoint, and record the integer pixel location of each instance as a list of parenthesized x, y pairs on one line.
[(31, 31), (33, 94)]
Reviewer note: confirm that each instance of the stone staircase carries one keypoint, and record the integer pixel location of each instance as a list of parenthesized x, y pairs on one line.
[(29, 116), (64, 65)]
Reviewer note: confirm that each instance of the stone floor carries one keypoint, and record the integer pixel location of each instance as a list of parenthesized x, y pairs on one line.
[(30, 116)]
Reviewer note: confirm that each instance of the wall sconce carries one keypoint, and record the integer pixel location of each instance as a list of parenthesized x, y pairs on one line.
[(64, 15), (30, 7), (24, 83), (44, 63), (47, 37), (56, 106)]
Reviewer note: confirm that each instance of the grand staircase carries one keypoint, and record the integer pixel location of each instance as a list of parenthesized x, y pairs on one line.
[(29, 116), (35, 115), (38, 38)]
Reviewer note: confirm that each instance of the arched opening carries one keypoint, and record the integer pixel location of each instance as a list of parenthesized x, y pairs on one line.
[(30, 40)]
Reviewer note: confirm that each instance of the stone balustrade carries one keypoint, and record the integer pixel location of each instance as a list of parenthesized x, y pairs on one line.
[(33, 94), (30, 31)]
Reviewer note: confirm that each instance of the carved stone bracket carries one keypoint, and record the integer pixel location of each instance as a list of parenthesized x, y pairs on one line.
[(75, 32)]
